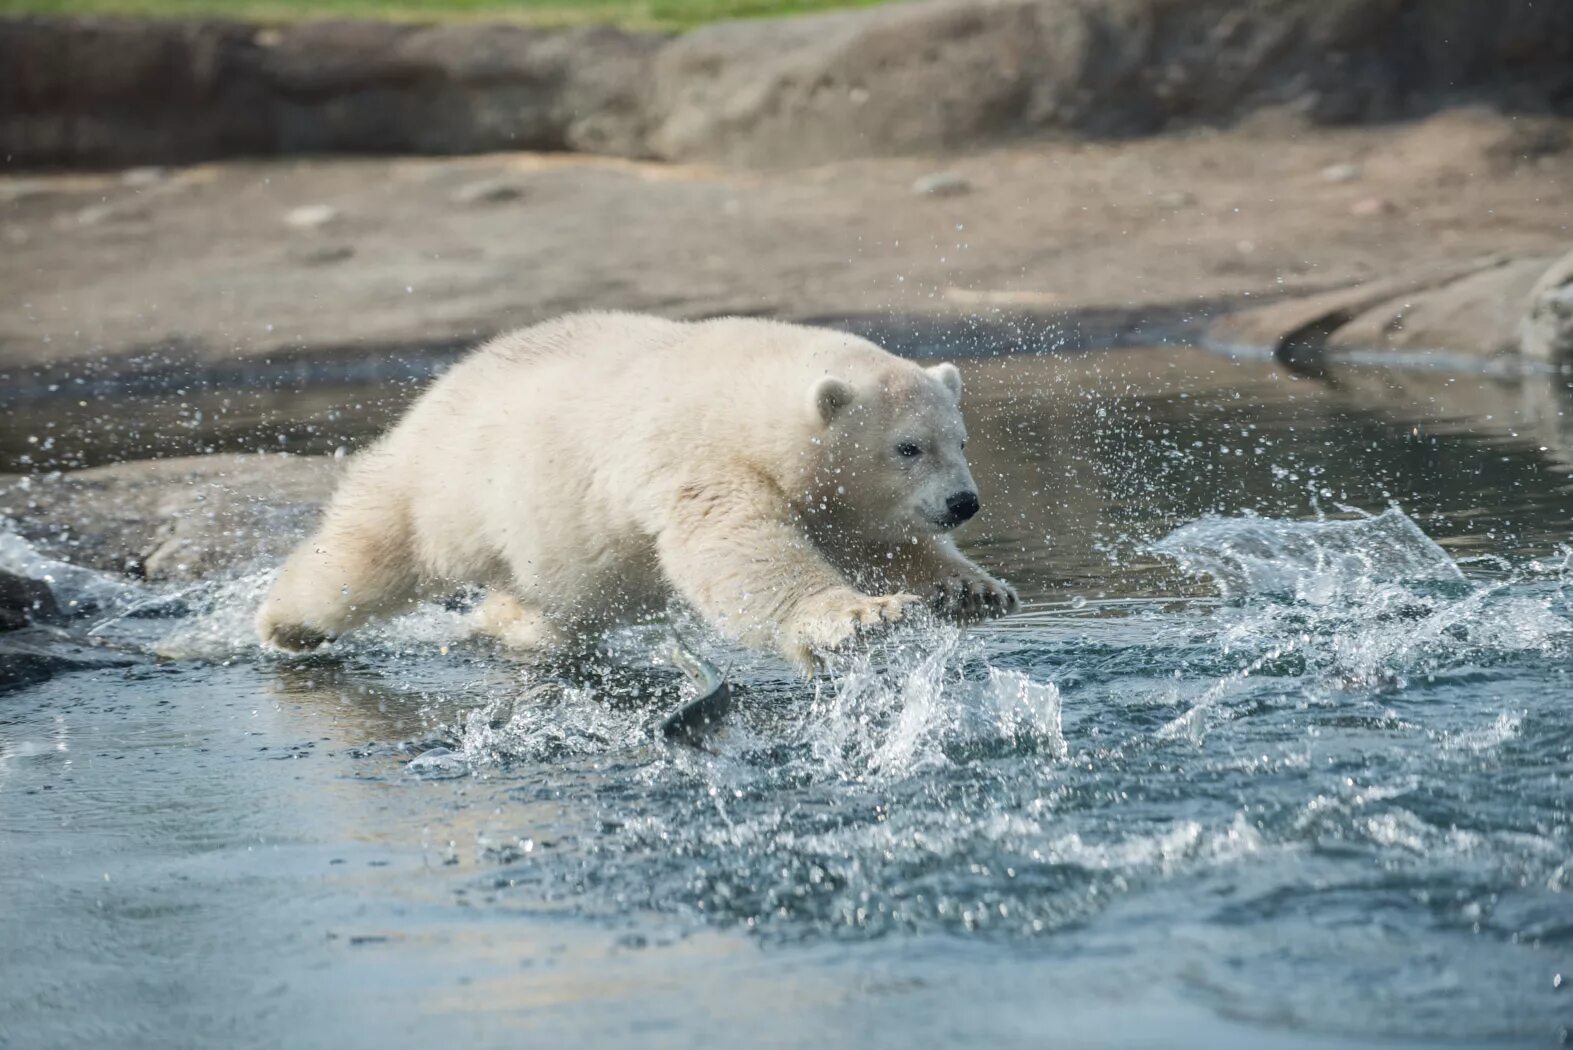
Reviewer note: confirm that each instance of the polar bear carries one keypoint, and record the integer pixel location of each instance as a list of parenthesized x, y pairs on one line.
[(797, 486)]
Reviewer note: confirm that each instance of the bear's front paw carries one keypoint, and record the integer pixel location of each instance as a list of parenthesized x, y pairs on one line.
[(829, 622), (970, 598)]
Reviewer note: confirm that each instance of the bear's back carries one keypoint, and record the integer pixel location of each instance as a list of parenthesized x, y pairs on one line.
[(584, 335)]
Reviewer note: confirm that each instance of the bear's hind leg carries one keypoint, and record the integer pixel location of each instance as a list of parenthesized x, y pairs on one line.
[(335, 581)]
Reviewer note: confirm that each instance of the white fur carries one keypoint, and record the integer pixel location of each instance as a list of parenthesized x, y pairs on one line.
[(584, 469)]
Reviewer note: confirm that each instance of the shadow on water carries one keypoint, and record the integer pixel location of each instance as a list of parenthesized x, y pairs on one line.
[(1277, 752)]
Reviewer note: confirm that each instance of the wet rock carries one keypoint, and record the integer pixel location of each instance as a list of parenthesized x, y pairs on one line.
[(941, 184), (1546, 332), (1466, 310), (311, 216), (1474, 315), (175, 518), (487, 191), (30, 657), (24, 601)]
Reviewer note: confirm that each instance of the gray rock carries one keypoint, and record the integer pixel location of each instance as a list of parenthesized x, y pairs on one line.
[(110, 91), (946, 74), (29, 660), (1462, 310), (24, 601), (458, 88), (932, 75), (941, 184), (1546, 332), (173, 519)]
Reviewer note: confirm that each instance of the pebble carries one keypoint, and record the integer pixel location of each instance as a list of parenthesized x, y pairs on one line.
[(941, 184), (311, 216), (1367, 207), (488, 191), (1175, 199), (1341, 172)]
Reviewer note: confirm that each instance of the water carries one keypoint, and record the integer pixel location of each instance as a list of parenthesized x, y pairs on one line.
[(1278, 753)]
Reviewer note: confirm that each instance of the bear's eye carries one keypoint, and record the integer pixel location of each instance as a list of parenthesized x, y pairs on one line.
[(907, 449)]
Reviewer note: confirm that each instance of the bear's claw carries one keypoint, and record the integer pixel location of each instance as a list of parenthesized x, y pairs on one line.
[(974, 598)]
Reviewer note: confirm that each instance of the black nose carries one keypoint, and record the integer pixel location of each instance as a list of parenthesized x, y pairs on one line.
[(960, 507)]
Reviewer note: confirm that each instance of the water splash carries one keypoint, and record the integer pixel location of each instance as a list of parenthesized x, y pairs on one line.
[(927, 700), (1371, 603), (74, 587), (1313, 562)]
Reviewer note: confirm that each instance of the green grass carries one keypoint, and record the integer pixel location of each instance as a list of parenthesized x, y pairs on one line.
[(632, 14)]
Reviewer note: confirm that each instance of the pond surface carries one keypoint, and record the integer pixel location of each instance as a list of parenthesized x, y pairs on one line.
[(1279, 753)]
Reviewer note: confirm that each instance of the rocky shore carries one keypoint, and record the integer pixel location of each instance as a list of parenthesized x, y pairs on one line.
[(904, 78)]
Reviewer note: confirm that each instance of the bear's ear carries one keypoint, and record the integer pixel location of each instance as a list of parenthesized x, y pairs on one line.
[(950, 375), (828, 397)]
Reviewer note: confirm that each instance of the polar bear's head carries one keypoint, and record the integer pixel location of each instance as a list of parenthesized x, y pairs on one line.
[(892, 450)]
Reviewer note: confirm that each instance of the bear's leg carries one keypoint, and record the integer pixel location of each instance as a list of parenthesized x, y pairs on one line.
[(518, 626), (735, 553), (356, 567), (957, 586)]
